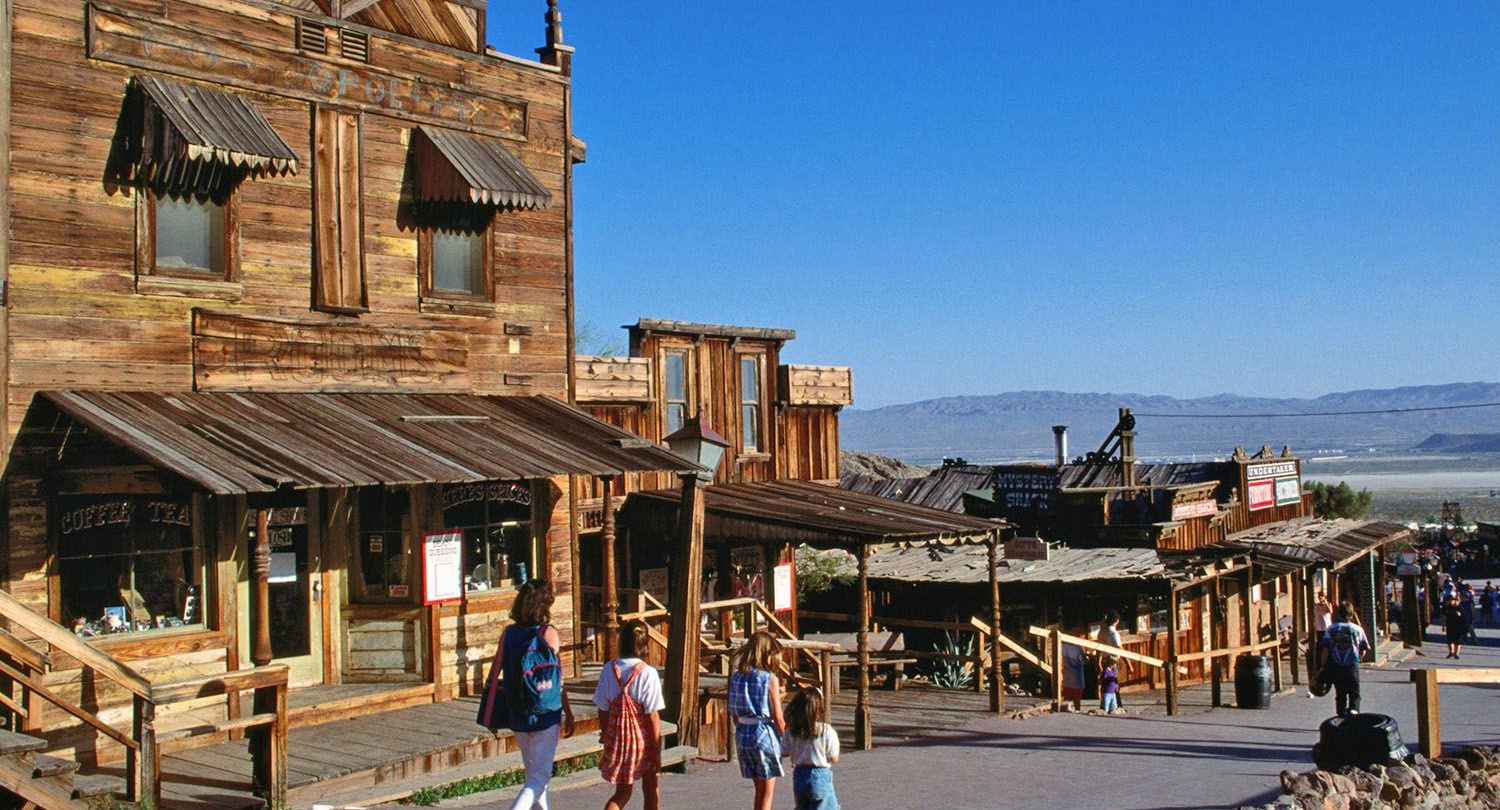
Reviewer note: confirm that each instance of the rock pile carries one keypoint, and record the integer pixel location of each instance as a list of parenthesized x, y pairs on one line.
[(1468, 778)]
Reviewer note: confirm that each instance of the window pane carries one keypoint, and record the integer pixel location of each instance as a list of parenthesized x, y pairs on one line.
[(676, 377), (495, 518), (189, 236), (383, 559), (749, 380), (127, 564), (458, 262), (749, 427), (676, 417)]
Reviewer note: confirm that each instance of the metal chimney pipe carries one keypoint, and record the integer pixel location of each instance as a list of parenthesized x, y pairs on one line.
[(1060, 436)]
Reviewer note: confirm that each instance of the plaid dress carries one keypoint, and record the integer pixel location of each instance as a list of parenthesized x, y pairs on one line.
[(756, 738), (627, 754)]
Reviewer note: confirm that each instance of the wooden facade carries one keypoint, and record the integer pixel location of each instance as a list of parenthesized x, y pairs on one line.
[(314, 141)]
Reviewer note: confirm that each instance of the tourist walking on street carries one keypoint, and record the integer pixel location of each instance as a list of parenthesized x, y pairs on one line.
[(755, 705), (1075, 664), (630, 701), (1466, 604), (1487, 604), (1322, 613), (1340, 651), (1454, 625), (531, 678), (1109, 685), (1110, 634), (812, 745)]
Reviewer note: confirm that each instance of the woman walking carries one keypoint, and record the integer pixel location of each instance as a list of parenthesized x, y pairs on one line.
[(531, 680), (755, 705), (1454, 625)]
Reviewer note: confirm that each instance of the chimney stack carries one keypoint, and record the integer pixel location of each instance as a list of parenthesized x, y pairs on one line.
[(1060, 435)]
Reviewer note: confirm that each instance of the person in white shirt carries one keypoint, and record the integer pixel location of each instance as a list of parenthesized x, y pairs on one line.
[(630, 701), (813, 747)]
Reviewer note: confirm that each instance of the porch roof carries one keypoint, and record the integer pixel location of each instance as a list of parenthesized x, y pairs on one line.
[(234, 443), (1335, 543), (802, 512), (1064, 566)]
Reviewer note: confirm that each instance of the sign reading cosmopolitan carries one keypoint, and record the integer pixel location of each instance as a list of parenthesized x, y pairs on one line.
[(1274, 483)]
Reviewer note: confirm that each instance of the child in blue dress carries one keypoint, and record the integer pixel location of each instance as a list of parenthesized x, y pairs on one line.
[(755, 705), (813, 747)]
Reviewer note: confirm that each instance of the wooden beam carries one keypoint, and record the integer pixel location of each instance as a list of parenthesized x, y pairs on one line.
[(863, 733), (1099, 646), (1054, 654), (1216, 675), (686, 596), (1172, 627), (1014, 646), (611, 584), (1429, 715), (997, 677), (349, 8), (260, 598)]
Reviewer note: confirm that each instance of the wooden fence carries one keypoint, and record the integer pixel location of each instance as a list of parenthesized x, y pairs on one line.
[(1429, 718)]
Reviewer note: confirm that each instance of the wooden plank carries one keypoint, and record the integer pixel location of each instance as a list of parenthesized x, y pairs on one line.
[(1429, 713), (1486, 675)]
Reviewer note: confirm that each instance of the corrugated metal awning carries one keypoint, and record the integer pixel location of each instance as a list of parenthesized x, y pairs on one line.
[(456, 167), (232, 443), (803, 512), (192, 135)]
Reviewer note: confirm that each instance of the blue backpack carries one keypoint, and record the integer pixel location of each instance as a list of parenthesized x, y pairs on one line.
[(540, 689)]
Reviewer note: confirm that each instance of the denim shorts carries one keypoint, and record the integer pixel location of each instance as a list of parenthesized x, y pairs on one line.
[(812, 788)]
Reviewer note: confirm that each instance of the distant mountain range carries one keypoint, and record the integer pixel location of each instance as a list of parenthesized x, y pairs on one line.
[(1018, 425)]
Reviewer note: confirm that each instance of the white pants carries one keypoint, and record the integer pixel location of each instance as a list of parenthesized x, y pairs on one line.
[(538, 748)]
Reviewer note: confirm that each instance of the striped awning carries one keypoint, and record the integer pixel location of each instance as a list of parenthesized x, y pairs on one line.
[(192, 137), (456, 167)]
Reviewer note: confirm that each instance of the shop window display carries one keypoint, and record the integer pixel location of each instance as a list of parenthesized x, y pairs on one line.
[(495, 518), (384, 559), (127, 564)]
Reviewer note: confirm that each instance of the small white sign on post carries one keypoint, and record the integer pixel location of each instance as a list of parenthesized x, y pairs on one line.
[(781, 588), (442, 566)]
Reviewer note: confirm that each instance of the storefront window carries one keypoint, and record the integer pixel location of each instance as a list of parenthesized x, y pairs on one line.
[(384, 559), (495, 518), (127, 564)]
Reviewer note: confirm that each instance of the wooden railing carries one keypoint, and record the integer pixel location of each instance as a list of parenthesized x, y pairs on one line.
[(26, 666), (1429, 719)]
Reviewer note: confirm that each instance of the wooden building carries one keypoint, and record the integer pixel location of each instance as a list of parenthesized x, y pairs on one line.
[(287, 285)]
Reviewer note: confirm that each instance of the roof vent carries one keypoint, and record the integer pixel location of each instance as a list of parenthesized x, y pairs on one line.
[(312, 36), (354, 45)]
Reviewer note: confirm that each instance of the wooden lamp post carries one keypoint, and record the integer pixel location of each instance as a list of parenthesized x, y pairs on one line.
[(704, 448)]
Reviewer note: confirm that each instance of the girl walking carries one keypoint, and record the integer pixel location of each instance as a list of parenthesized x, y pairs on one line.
[(813, 747), (629, 700), (755, 705), (531, 696), (1109, 685)]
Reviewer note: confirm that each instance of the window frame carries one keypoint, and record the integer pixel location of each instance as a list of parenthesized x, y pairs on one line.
[(359, 593), (686, 352), (759, 449), (150, 278), (428, 294), (534, 542)]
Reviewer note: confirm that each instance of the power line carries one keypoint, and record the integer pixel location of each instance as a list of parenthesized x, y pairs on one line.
[(1316, 413)]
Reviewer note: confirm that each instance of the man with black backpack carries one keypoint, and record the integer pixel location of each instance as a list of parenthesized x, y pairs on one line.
[(1342, 646)]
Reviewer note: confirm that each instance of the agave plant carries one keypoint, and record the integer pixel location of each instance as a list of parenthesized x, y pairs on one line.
[(954, 673)]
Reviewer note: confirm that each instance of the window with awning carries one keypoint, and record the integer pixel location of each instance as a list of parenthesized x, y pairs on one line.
[(461, 181), (190, 147)]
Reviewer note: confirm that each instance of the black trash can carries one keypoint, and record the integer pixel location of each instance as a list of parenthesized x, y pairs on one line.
[(1360, 740), (1252, 682)]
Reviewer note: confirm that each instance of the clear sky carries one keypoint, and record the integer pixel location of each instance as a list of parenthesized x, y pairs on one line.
[(975, 197)]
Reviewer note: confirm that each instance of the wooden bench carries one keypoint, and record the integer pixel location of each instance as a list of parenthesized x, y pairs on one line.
[(887, 651)]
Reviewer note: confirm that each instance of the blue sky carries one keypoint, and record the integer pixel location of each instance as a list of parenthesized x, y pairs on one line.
[(977, 197)]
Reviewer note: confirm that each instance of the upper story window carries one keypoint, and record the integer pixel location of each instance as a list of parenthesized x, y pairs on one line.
[(453, 249), (750, 401), (675, 396), (188, 235)]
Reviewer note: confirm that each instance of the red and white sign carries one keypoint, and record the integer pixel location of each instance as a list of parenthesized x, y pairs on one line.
[(1261, 494), (1192, 509), (442, 566), (781, 588)]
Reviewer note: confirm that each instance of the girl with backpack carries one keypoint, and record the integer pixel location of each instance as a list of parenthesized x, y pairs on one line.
[(629, 700), (755, 705), (531, 685)]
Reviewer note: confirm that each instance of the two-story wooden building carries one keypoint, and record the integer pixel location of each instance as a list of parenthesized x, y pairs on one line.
[(287, 286)]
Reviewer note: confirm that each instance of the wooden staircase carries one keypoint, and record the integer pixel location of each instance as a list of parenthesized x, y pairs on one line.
[(47, 782)]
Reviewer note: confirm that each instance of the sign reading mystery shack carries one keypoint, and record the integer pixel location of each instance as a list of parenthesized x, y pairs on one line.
[(1025, 487), (238, 353)]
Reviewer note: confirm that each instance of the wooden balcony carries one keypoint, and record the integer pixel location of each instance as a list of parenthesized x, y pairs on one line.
[(817, 385), (612, 379)]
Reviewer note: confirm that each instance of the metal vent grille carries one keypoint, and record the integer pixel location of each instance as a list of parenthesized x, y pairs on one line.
[(354, 45), (312, 36)]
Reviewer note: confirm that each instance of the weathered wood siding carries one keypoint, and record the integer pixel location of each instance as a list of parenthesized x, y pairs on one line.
[(76, 315), (381, 648), (809, 438), (816, 385)]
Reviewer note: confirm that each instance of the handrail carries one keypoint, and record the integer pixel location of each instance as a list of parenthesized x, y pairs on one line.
[(1090, 644), (1429, 716), (23, 652), (62, 639), (1014, 646)]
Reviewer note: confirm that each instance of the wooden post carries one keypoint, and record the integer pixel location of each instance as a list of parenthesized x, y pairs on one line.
[(977, 660), (611, 586), (1247, 617), (143, 767), (863, 732), (260, 615), (1298, 608), (1429, 717), (1216, 673), (830, 675), (1054, 647), (997, 676), (1172, 627), (682, 648), (1276, 629)]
